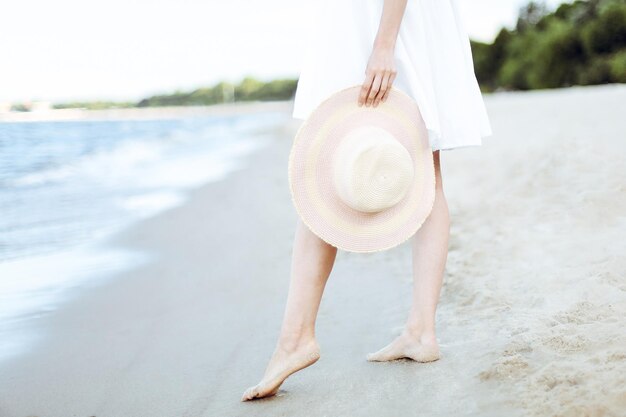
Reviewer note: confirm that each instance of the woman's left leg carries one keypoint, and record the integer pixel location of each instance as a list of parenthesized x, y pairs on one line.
[(430, 251)]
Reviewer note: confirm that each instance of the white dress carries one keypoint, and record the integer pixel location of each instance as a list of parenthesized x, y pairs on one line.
[(432, 55)]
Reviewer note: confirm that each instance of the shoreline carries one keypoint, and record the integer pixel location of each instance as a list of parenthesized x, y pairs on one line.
[(24, 297), (145, 113)]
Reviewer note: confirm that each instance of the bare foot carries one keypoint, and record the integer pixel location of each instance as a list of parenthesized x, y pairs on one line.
[(420, 349), (282, 364)]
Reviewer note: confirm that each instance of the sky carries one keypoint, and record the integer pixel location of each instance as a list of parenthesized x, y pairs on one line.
[(66, 50)]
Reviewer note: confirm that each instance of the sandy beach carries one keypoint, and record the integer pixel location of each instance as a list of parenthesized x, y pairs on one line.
[(530, 322)]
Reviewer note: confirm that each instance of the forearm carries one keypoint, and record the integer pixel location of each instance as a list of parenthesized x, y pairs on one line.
[(389, 26)]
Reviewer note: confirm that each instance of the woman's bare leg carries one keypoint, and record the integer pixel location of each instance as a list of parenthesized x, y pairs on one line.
[(311, 264), (430, 252)]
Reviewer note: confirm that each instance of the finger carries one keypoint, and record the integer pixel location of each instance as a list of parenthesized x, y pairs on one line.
[(391, 79), (383, 88), (374, 90), (365, 88)]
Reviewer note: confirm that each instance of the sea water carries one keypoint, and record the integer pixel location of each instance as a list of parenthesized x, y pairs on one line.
[(66, 185)]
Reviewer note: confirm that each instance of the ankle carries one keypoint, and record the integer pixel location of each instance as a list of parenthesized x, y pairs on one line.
[(422, 334), (291, 342)]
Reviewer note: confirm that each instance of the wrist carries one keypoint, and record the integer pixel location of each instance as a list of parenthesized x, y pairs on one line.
[(384, 43)]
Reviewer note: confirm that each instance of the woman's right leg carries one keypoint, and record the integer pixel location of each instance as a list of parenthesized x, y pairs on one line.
[(311, 264)]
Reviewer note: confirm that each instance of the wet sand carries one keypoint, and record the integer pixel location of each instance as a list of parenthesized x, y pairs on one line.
[(530, 323)]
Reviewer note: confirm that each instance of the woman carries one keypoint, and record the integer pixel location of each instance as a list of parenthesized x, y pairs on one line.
[(422, 48)]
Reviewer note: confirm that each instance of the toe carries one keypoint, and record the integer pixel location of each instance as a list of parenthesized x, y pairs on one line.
[(249, 394), (382, 355), (244, 397), (373, 356)]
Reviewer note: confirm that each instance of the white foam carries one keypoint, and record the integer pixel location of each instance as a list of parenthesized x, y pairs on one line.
[(35, 286), (150, 204)]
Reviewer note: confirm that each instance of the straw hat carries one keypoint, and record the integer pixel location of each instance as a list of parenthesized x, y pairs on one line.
[(362, 178)]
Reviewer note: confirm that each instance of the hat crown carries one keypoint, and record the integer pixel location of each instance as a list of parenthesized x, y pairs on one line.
[(372, 169)]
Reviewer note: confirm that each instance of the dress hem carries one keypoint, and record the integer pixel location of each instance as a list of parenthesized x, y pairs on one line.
[(435, 148)]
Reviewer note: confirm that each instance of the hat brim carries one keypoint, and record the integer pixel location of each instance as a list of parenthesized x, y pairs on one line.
[(310, 172)]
